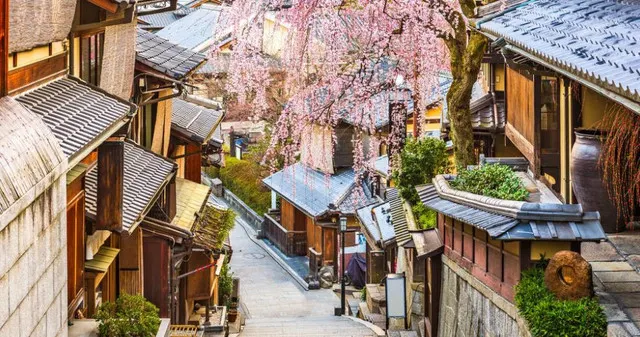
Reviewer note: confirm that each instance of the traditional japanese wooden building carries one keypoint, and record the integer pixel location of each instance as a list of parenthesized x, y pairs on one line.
[(311, 204), (488, 242), (561, 75)]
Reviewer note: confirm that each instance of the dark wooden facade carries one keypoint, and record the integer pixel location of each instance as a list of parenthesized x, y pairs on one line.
[(157, 257), (75, 244)]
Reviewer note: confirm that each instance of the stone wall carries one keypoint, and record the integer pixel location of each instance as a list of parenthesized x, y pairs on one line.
[(470, 308), (33, 267)]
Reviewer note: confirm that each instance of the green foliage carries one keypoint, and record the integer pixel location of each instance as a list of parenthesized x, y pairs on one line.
[(497, 181), (547, 316), (425, 218), (363, 294), (225, 283), (244, 179), (420, 161), (129, 316), (227, 221)]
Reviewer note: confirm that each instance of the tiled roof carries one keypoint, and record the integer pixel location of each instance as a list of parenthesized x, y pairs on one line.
[(314, 192), (537, 221), (597, 40), (427, 243), (381, 165), (207, 231), (76, 112), (399, 220), (196, 121), (145, 174), (29, 155), (483, 114), (166, 57), (191, 197), (194, 31), (161, 20)]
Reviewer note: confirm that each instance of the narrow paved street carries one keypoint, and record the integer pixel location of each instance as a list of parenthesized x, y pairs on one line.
[(275, 305)]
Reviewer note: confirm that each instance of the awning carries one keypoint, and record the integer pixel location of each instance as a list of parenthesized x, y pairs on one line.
[(195, 119), (427, 243), (102, 259), (81, 116), (145, 176), (165, 57), (191, 198), (213, 228)]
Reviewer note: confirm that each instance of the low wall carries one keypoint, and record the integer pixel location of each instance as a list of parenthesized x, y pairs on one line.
[(470, 308), (249, 215)]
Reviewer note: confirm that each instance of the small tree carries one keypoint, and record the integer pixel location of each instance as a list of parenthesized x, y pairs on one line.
[(420, 161), (129, 316)]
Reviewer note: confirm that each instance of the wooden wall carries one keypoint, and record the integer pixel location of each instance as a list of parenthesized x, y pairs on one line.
[(520, 112), (193, 163), (343, 154), (200, 285), (157, 257), (131, 263), (292, 218)]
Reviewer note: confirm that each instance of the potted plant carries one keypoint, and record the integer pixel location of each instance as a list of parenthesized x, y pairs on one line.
[(129, 316), (233, 311)]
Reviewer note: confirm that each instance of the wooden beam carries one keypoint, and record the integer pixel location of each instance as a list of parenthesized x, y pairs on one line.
[(107, 5), (110, 184), (26, 77), (520, 142), (4, 47)]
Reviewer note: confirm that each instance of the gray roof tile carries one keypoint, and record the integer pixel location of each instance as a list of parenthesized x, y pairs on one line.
[(196, 121), (166, 57), (399, 220), (194, 31), (145, 173), (597, 40), (547, 226), (75, 111), (161, 20), (315, 192)]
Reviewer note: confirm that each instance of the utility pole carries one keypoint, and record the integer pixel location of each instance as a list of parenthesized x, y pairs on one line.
[(343, 229)]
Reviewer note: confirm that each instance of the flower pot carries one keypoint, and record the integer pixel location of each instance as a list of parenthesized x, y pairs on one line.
[(586, 179), (232, 315)]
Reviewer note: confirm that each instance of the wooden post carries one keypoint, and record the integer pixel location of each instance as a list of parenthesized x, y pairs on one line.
[(435, 289), (4, 47), (171, 198), (131, 263), (110, 184)]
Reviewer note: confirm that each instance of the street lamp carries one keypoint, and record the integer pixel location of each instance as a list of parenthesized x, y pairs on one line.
[(343, 229)]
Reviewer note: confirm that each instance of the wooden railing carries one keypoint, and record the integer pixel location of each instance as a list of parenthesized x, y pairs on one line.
[(289, 242)]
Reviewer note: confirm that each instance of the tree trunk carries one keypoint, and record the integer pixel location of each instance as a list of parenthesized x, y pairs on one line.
[(466, 59)]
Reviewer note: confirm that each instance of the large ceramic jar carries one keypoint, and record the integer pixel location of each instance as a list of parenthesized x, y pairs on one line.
[(586, 178)]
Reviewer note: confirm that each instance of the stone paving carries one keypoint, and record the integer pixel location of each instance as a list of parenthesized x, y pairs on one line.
[(276, 305), (617, 281)]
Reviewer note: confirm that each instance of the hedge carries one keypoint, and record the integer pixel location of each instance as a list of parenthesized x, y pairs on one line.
[(548, 316), (244, 179)]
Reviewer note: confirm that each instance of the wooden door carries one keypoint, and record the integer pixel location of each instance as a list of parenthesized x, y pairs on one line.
[(328, 245), (75, 249), (156, 255)]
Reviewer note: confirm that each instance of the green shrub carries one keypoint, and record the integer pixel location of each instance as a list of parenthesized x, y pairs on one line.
[(244, 179), (547, 316), (420, 161), (496, 181), (225, 283), (129, 316), (425, 218)]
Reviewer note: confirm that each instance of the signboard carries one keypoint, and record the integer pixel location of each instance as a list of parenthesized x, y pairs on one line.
[(396, 296)]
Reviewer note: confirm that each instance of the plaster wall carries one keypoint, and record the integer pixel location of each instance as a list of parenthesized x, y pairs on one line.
[(33, 267), (469, 308)]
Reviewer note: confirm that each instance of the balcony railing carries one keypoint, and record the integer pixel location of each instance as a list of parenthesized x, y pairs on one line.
[(292, 243)]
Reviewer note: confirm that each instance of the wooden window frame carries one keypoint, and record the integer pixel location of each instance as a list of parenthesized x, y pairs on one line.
[(97, 47)]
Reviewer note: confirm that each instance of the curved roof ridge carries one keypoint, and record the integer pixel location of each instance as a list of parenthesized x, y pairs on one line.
[(30, 161)]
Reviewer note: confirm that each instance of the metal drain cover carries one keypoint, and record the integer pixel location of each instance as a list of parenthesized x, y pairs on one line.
[(256, 256)]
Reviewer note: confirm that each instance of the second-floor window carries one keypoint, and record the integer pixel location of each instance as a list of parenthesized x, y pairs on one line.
[(91, 50)]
